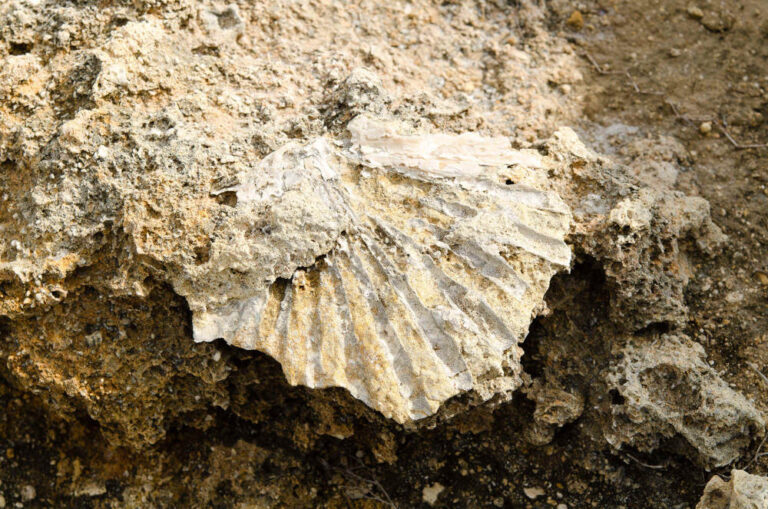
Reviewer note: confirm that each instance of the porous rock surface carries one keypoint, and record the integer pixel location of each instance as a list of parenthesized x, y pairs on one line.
[(741, 491), (667, 389), (128, 137), (161, 170)]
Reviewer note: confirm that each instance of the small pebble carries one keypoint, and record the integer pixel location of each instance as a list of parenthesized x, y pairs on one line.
[(102, 152), (430, 493), (28, 493), (705, 127), (718, 21), (695, 12), (63, 36), (533, 492), (576, 21), (674, 52), (2, 502), (94, 339)]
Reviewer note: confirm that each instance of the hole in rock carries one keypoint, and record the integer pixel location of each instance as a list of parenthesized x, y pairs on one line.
[(20, 48), (203, 254), (654, 329), (227, 198), (616, 397), (228, 19)]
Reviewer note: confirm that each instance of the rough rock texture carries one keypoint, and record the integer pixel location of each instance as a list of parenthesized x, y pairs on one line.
[(432, 268), (164, 173), (664, 387), (137, 357), (639, 233), (130, 163), (742, 491), (640, 237)]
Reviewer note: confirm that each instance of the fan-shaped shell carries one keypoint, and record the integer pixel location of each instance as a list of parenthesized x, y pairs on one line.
[(435, 271)]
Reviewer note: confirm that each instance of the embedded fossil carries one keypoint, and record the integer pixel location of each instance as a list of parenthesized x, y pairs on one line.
[(403, 268)]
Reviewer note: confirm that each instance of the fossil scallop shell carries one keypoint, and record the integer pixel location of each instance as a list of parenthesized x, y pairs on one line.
[(435, 273)]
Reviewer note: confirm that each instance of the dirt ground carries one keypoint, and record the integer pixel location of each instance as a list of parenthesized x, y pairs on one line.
[(684, 80)]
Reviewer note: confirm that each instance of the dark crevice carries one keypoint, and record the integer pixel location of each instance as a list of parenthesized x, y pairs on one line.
[(19, 48), (207, 50), (227, 198), (616, 397), (531, 360), (577, 301), (654, 329)]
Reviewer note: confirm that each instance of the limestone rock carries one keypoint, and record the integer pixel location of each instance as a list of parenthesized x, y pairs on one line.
[(664, 388), (162, 156), (555, 407), (362, 91), (742, 491), (221, 26), (642, 236), (403, 268)]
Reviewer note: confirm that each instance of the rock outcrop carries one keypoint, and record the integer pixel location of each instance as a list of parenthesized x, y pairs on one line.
[(742, 491), (182, 183), (662, 387)]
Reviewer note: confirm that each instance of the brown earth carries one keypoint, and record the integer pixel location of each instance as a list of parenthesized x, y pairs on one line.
[(663, 82)]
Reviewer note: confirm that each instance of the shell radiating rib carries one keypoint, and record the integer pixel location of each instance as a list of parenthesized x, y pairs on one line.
[(374, 340), (462, 297), (355, 368), (428, 322), (286, 338), (493, 267), (427, 270)]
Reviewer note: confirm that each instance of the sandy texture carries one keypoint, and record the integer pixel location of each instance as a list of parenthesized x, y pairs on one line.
[(141, 147)]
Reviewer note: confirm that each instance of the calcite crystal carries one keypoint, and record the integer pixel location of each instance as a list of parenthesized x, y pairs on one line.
[(405, 268)]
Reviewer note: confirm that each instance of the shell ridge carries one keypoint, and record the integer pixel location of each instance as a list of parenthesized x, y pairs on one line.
[(374, 352), (467, 298), (282, 336), (257, 308), (402, 363), (425, 364), (537, 199), (300, 326), (442, 345), (477, 257), (317, 371), (452, 209), (490, 265), (363, 388), (549, 248)]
